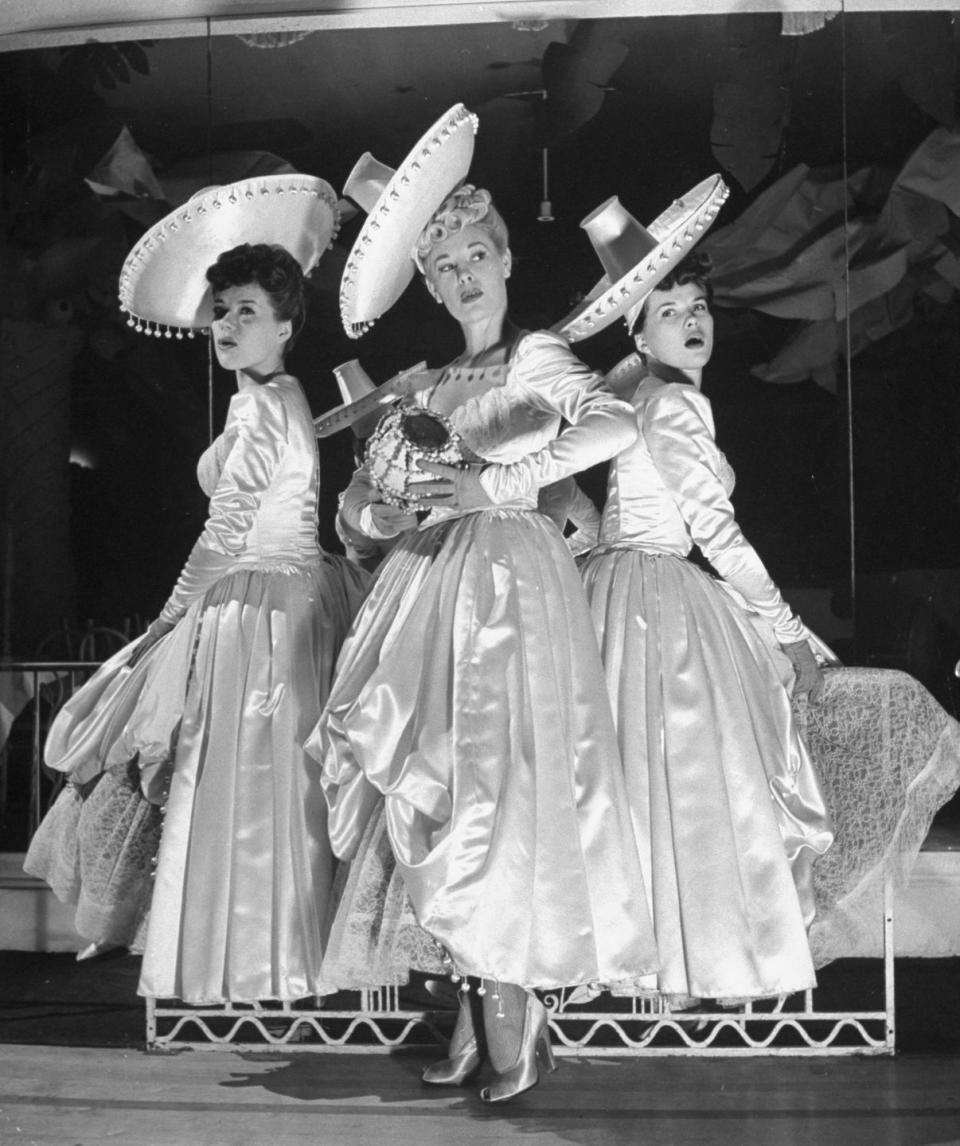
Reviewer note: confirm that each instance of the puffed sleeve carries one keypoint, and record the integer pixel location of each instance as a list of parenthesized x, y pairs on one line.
[(256, 438), (677, 425), (554, 379)]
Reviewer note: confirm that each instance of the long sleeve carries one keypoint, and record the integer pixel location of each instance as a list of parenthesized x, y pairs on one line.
[(356, 516), (586, 519), (565, 502), (601, 425), (678, 428), (255, 437), (359, 495)]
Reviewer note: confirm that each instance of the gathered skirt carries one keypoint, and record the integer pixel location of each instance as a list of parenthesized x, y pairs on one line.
[(469, 721), (726, 804), (215, 716)]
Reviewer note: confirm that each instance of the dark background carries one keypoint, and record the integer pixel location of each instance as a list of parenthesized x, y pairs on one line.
[(633, 111)]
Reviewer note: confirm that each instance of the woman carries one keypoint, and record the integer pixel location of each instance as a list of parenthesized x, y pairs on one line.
[(468, 700), (705, 726), (725, 794), (214, 701)]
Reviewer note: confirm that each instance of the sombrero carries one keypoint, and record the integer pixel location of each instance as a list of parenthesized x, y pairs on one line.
[(363, 402), (163, 283), (636, 258), (399, 204)]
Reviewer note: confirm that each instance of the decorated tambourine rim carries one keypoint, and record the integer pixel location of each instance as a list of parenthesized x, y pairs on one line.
[(407, 435), (163, 285), (676, 230)]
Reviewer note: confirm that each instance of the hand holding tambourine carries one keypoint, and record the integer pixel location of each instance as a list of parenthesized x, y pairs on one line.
[(418, 460)]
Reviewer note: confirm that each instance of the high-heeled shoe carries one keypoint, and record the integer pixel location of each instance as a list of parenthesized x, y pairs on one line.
[(92, 950), (466, 1056), (534, 1051)]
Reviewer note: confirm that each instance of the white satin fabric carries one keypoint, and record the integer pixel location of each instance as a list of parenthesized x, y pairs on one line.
[(725, 801), (469, 703), (216, 714), (672, 490)]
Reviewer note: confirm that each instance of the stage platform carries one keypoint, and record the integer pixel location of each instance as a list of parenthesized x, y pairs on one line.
[(62, 1096)]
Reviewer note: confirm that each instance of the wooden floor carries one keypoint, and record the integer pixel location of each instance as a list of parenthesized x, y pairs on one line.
[(70, 1096)]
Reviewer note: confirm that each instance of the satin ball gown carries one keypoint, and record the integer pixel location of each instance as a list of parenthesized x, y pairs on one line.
[(214, 716), (469, 756), (725, 801)]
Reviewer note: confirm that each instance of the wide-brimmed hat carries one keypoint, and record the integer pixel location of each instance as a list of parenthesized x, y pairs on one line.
[(399, 204), (163, 283), (636, 258), (365, 403)]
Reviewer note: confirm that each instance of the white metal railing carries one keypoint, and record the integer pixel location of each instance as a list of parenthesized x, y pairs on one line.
[(31, 693), (377, 1023)]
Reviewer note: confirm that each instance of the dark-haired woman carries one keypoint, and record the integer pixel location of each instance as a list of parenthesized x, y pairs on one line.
[(724, 797), (215, 701), (730, 801)]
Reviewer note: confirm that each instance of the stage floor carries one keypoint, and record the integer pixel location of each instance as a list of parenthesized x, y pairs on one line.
[(61, 1096), (72, 1073)]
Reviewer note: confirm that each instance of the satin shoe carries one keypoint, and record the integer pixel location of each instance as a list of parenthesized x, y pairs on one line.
[(535, 1051), (456, 1070), (92, 950), (466, 1057)]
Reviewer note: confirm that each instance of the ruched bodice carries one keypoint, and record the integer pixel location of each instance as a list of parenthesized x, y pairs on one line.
[(672, 489), (209, 724), (262, 476), (649, 491)]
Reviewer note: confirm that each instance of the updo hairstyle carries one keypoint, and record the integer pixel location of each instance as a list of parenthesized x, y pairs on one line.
[(466, 206)]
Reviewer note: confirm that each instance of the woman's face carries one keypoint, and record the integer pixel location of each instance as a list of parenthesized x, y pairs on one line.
[(467, 273), (247, 334), (678, 328)]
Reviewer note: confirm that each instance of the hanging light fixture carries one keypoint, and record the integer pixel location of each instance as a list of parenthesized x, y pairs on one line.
[(546, 207)]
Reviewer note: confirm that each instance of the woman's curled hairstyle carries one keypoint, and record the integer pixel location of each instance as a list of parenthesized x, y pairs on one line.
[(273, 269), (466, 206), (693, 268)]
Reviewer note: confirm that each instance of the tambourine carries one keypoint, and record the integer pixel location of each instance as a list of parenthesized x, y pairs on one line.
[(408, 435)]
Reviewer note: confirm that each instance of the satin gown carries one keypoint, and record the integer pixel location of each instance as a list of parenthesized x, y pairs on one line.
[(469, 719), (214, 716), (726, 804)]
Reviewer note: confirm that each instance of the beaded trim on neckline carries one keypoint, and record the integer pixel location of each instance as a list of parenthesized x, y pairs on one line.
[(472, 372)]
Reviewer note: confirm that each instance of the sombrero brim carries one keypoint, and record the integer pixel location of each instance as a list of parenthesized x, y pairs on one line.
[(380, 265), (676, 231), (348, 413), (163, 283)]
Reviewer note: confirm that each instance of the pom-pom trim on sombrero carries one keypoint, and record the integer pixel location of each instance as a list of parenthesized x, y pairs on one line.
[(163, 287), (674, 234), (383, 250)]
